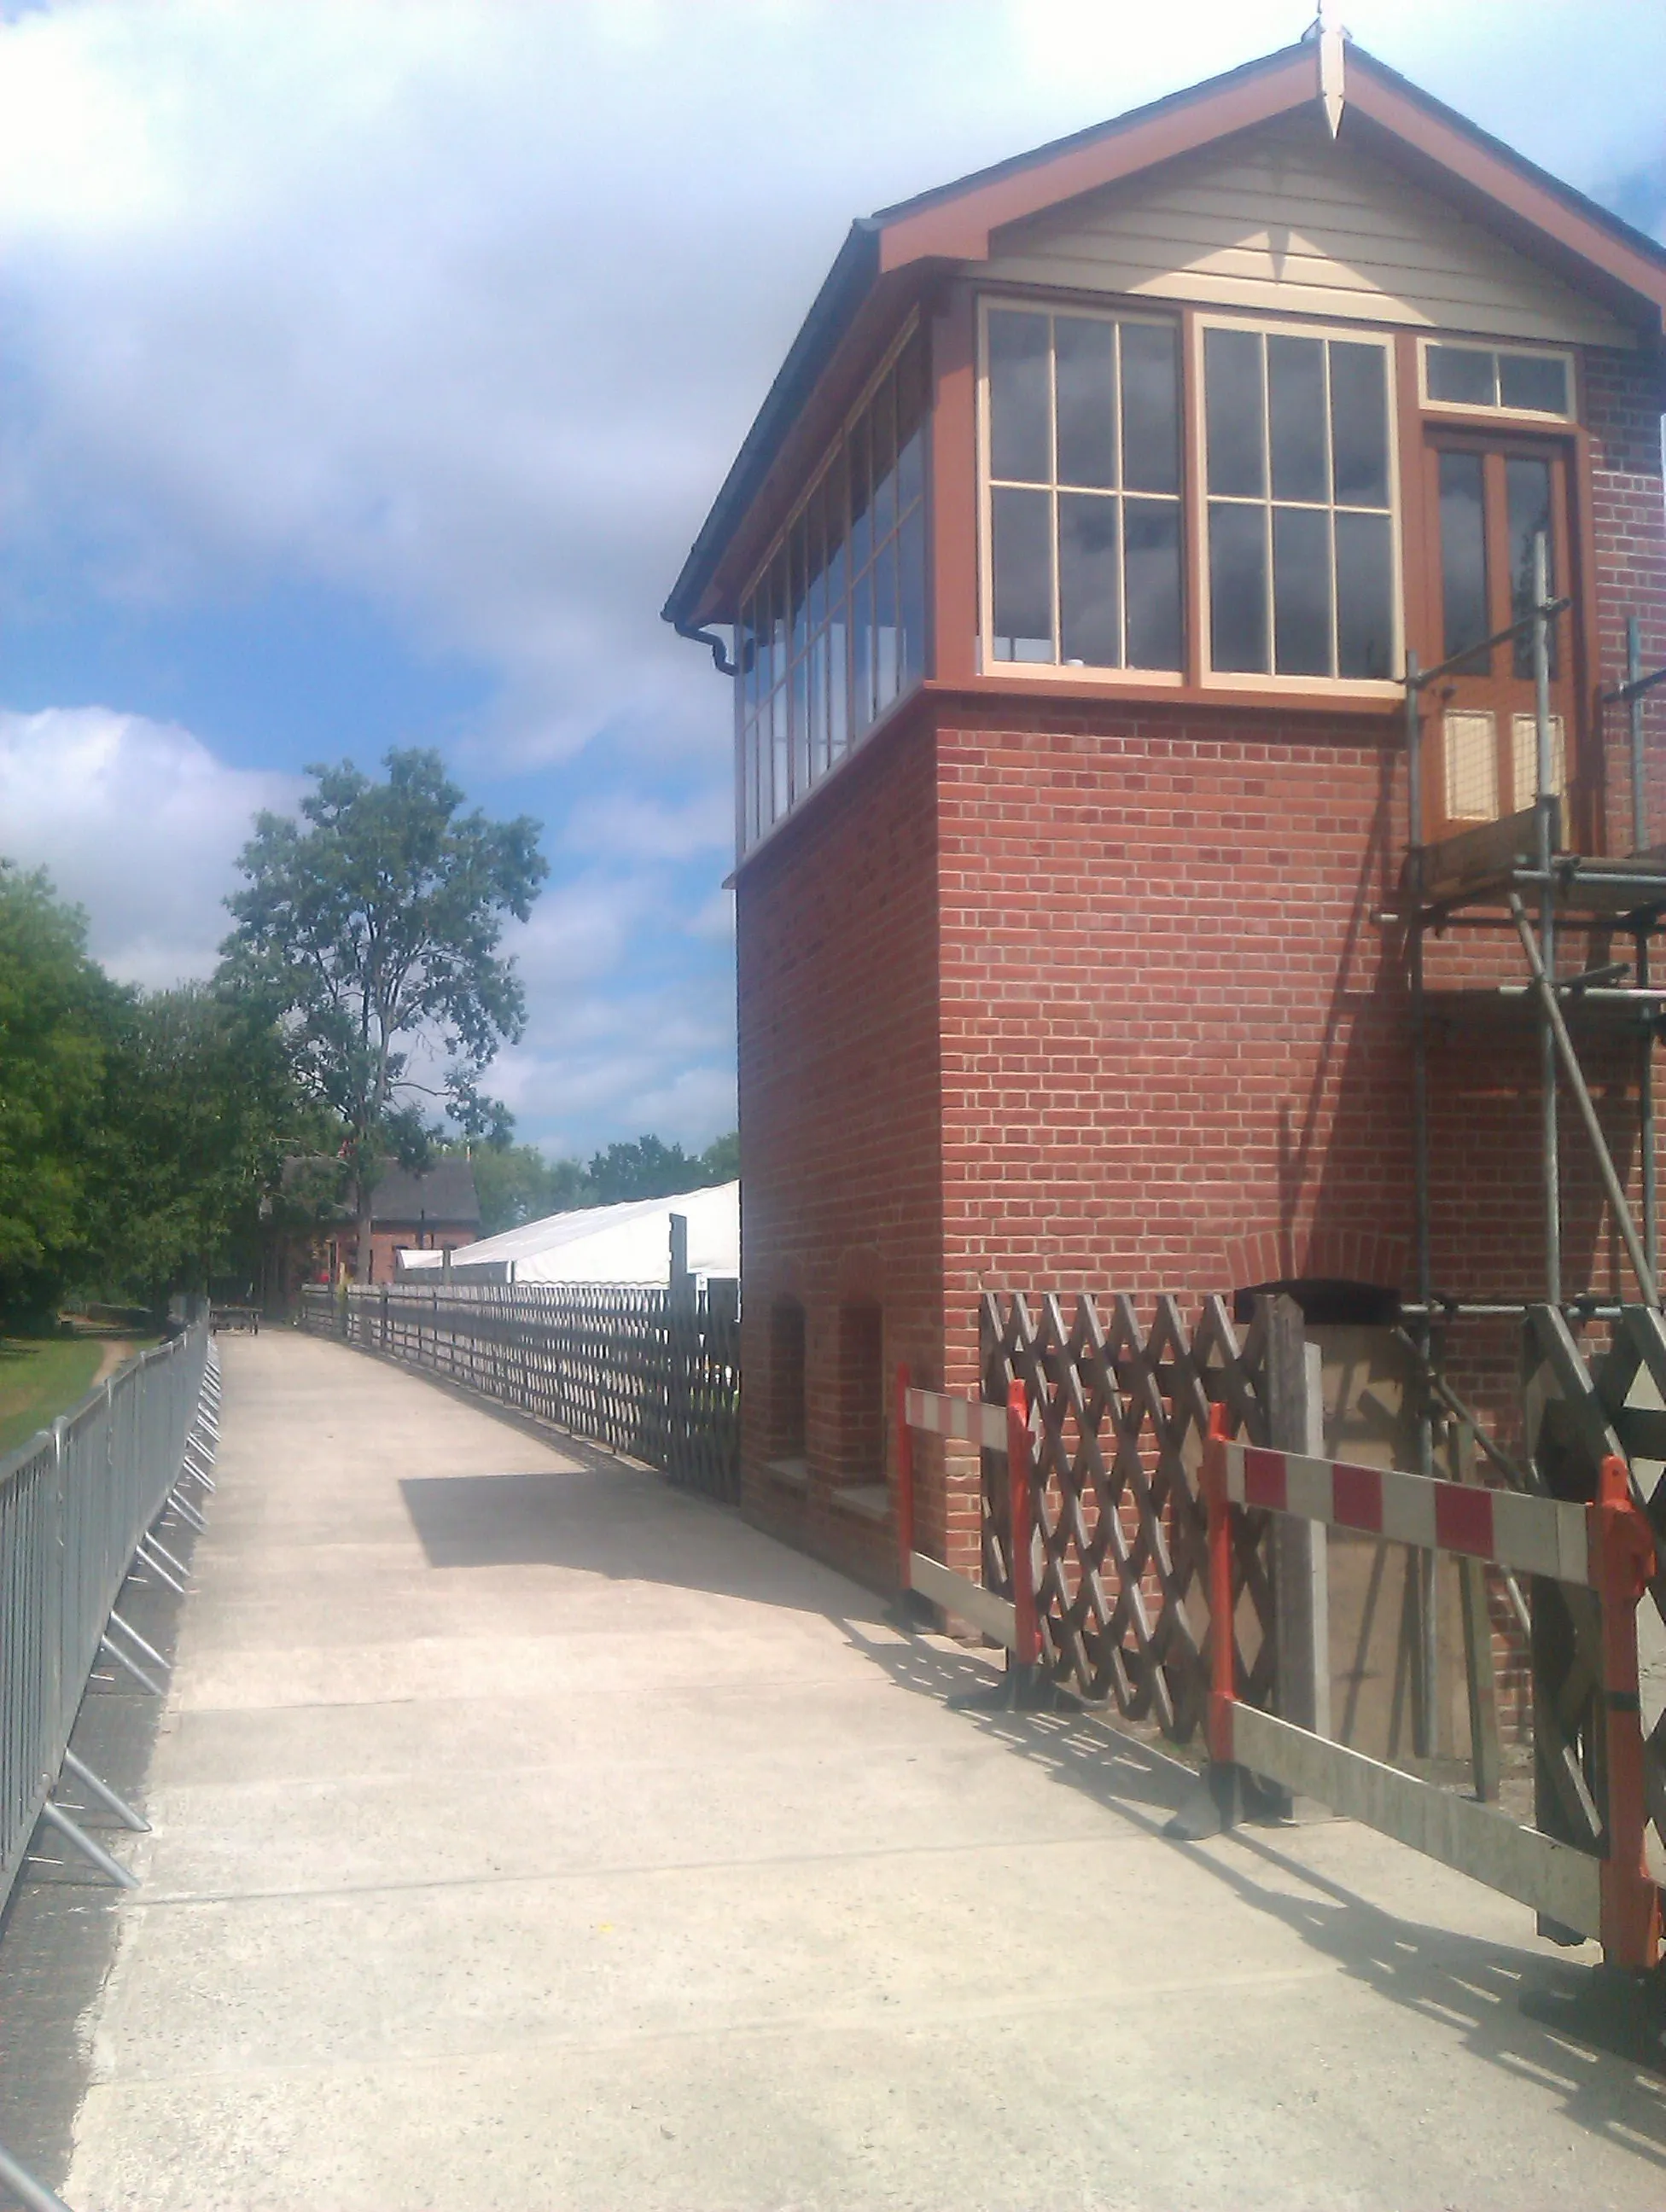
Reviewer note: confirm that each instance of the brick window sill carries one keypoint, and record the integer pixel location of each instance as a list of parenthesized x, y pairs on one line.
[(790, 1473), (868, 1501)]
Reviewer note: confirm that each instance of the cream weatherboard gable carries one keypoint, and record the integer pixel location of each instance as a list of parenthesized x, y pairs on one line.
[(1282, 219)]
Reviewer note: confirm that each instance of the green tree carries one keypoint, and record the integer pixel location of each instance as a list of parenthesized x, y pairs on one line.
[(53, 1004), (372, 927), (200, 1104), (516, 1184), (649, 1168)]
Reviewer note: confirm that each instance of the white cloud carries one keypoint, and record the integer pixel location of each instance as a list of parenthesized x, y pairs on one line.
[(137, 822), (466, 308)]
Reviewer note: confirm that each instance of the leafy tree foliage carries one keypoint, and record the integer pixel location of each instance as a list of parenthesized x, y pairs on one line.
[(373, 932), (516, 1184), (53, 1005), (200, 1106)]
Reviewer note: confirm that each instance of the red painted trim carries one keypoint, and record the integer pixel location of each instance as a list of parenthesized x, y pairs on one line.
[(1463, 1520), (1357, 1497), (1026, 1632)]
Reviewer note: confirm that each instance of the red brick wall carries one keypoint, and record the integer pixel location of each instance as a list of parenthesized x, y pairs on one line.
[(1624, 399), (839, 1107), (1174, 1047)]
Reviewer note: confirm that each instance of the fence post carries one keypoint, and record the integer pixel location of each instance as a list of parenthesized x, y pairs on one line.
[(680, 1333), (1622, 1560), (904, 1483), (1295, 1421), (1026, 1633)]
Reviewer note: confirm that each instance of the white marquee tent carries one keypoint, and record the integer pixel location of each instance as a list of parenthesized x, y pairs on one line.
[(625, 1243)]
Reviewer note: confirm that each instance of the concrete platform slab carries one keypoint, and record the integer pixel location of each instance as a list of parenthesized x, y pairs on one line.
[(527, 1834)]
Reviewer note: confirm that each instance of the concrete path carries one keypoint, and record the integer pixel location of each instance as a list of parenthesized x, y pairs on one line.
[(529, 1835)]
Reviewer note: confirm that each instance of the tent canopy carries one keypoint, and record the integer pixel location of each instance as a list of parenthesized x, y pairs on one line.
[(625, 1243)]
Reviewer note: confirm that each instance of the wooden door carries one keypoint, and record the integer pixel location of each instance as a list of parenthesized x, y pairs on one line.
[(1487, 498)]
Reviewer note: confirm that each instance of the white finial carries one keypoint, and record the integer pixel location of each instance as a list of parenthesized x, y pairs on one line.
[(1331, 37)]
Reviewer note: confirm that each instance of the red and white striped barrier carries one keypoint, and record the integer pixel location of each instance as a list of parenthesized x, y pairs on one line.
[(1011, 1621), (1607, 1545), (1534, 1536)]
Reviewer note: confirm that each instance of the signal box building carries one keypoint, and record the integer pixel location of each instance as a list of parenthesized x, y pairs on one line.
[(1073, 564)]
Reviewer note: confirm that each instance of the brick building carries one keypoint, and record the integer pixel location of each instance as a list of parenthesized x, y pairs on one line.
[(436, 1210), (1073, 563)]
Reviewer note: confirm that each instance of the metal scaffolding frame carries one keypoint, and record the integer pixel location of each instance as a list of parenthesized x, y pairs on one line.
[(1514, 876)]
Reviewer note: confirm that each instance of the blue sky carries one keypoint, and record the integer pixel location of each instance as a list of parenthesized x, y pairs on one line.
[(369, 364)]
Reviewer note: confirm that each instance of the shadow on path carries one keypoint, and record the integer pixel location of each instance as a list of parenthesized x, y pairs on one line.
[(1462, 1983)]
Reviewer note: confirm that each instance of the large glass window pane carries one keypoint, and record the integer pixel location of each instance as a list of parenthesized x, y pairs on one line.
[(781, 768), (1084, 378), (749, 783), (819, 707), (1527, 484), (747, 655), (910, 423), (815, 560), (798, 626), (801, 750), (1152, 566), (1238, 589), (1019, 446), (882, 432), (1462, 375), (1463, 557), (1233, 408), (778, 616), (1090, 626), (860, 483), (1301, 591), (885, 626), (911, 598), (835, 492), (838, 680), (1528, 380), (1359, 424), (1364, 596), (1022, 527), (1296, 416), (861, 655), (1151, 410)]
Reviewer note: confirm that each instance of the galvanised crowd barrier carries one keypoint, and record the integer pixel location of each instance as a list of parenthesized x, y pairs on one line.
[(79, 1508)]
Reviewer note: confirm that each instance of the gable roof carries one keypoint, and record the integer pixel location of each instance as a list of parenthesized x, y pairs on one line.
[(446, 1193), (887, 256)]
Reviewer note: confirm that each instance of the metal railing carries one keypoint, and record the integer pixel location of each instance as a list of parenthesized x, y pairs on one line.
[(77, 1507), (652, 1373)]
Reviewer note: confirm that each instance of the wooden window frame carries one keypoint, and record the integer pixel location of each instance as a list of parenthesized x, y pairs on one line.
[(1196, 678), (1460, 410), (754, 780), (1371, 689), (1054, 671)]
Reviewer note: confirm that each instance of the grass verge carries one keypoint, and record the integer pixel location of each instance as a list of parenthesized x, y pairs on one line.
[(40, 1377)]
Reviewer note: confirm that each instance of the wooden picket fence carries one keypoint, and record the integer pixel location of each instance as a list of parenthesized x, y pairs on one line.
[(1123, 1599), (655, 1374)]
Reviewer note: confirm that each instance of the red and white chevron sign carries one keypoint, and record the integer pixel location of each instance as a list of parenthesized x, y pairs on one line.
[(1534, 1535)]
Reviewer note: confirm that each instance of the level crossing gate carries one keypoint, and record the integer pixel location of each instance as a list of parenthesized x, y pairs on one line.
[(1606, 1546)]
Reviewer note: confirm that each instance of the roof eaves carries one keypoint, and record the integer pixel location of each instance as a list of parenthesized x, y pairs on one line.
[(845, 286), (1577, 203), (1095, 134)]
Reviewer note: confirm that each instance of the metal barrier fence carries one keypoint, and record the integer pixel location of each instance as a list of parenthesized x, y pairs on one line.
[(79, 1506), (652, 1373)]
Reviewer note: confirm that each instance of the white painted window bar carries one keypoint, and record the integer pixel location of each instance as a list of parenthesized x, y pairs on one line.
[(1607, 1545)]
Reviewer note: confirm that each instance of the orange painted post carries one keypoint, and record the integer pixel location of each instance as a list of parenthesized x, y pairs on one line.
[(1223, 1686), (1026, 1635), (904, 1483), (1622, 1564)]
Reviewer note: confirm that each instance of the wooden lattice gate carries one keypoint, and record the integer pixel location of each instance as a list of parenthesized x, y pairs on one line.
[(1124, 1408)]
